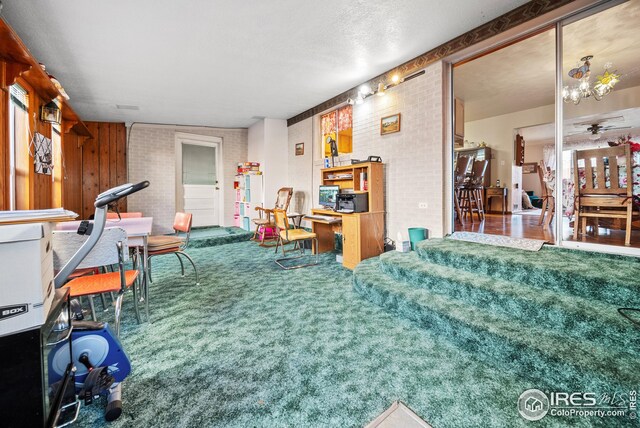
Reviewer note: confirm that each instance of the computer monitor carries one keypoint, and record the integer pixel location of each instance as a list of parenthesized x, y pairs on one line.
[(328, 195)]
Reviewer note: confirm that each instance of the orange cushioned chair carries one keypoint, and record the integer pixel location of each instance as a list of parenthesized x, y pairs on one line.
[(173, 244), (111, 249)]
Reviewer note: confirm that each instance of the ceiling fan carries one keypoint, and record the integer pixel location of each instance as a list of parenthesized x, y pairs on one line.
[(596, 130)]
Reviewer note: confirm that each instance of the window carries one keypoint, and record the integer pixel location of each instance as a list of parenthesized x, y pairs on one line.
[(19, 148), (58, 166), (337, 124)]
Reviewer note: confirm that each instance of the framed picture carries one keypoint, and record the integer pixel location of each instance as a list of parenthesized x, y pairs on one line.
[(299, 149), (529, 168), (390, 124)]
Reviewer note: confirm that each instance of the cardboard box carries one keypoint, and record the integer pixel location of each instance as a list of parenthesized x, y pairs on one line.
[(26, 283)]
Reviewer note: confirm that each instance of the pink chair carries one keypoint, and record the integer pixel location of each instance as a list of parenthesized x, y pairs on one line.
[(114, 216), (173, 244)]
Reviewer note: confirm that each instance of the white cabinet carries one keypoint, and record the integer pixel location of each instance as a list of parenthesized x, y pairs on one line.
[(249, 195), (516, 188)]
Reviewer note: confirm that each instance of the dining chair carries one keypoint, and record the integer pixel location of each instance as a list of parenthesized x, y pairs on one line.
[(548, 198), (173, 244), (601, 191), (265, 222), (287, 235), (110, 250)]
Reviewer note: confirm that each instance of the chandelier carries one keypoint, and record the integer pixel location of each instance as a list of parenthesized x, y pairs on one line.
[(583, 89)]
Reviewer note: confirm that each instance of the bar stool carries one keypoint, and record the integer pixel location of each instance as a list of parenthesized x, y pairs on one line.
[(471, 199), (462, 166)]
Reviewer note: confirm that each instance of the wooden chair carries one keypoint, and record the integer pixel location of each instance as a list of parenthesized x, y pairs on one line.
[(287, 235), (471, 194), (597, 200), (173, 244), (462, 165), (548, 198), (265, 220), (111, 249)]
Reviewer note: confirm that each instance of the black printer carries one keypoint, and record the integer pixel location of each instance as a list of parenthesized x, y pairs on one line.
[(352, 203)]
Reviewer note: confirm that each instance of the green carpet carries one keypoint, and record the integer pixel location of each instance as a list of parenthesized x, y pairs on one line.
[(212, 236), (256, 346)]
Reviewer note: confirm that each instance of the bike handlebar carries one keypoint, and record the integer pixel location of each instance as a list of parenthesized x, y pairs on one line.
[(119, 192)]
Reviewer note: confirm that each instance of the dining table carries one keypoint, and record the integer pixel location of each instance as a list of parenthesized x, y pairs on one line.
[(138, 232)]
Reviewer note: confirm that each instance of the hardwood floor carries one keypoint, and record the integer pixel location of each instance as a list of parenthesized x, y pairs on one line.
[(526, 226), (516, 226)]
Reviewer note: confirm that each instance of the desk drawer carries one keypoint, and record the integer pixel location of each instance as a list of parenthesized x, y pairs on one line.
[(494, 191)]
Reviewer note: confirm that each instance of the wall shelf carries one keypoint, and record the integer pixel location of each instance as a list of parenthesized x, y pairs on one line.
[(19, 62)]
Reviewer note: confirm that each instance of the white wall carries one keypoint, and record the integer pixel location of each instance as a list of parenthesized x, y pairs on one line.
[(499, 134), (268, 144), (255, 143), (413, 157), (533, 153), (301, 171), (151, 156)]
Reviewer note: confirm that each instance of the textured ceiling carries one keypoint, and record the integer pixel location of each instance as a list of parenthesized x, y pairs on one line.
[(224, 63), (522, 76)]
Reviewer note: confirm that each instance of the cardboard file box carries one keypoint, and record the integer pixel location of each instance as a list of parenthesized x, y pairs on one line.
[(26, 279)]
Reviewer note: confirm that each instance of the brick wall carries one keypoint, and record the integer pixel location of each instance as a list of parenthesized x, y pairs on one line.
[(413, 157), (152, 157)]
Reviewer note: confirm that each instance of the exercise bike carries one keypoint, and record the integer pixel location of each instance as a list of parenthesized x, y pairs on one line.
[(98, 357)]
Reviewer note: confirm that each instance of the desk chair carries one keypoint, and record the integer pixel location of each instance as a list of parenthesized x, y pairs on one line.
[(111, 249), (287, 235), (265, 219), (173, 244)]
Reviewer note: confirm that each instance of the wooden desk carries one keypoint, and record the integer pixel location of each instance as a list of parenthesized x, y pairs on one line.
[(362, 235), (493, 192)]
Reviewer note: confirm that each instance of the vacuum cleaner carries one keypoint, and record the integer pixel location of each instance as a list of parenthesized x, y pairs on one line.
[(101, 363)]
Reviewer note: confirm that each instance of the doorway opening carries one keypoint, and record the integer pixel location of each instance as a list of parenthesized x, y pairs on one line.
[(500, 97), (198, 178)]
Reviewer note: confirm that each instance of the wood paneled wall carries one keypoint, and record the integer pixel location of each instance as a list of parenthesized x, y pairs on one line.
[(4, 139), (72, 172), (104, 162)]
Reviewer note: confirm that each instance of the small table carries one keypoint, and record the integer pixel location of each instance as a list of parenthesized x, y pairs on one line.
[(493, 192), (138, 231), (296, 219)]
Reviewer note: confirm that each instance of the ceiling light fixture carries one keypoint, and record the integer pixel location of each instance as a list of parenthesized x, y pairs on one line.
[(365, 91), (603, 86)]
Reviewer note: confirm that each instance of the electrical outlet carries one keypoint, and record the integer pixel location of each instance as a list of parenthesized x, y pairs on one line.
[(423, 205), (501, 163)]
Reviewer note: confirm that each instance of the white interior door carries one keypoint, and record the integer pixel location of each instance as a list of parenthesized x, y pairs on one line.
[(198, 187)]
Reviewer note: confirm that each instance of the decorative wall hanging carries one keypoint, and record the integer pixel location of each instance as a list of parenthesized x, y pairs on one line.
[(42, 154), (299, 149), (50, 113), (390, 124)]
